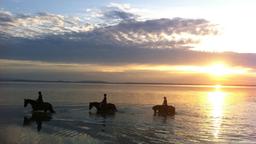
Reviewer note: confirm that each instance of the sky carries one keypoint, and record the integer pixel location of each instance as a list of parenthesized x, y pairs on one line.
[(164, 41)]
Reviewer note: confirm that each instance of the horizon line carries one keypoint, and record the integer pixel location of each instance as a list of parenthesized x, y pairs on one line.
[(112, 82)]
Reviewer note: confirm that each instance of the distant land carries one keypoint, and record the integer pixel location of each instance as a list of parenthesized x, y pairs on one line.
[(108, 82)]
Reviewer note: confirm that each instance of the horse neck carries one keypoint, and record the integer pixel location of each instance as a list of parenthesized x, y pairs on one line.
[(29, 101), (95, 104)]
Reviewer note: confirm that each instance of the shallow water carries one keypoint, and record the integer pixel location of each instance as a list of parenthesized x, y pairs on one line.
[(205, 114)]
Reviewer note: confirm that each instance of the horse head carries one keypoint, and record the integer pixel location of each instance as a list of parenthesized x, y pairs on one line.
[(25, 102), (90, 106), (94, 104)]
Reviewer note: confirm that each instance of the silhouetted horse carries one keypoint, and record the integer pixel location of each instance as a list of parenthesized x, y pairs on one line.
[(163, 111), (37, 117), (35, 106), (108, 109)]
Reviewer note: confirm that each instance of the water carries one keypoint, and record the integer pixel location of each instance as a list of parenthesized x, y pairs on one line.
[(205, 114)]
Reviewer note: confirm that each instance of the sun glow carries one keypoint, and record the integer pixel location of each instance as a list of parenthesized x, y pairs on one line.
[(220, 69), (217, 69), (217, 100)]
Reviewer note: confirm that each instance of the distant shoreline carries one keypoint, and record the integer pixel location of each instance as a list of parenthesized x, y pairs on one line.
[(107, 82)]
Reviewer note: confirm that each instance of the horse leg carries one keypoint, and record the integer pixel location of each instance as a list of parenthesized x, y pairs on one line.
[(51, 110), (115, 109), (154, 112), (159, 112)]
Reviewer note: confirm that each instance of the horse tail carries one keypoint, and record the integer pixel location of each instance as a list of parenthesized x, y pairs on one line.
[(51, 109), (115, 108)]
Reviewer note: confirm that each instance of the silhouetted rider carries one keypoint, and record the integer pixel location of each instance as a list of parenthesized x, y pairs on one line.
[(40, 98), (165, 106), (165, 102), (104, 101)]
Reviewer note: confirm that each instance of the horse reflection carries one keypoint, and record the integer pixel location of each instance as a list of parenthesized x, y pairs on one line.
[(102, 118), (38, 117)]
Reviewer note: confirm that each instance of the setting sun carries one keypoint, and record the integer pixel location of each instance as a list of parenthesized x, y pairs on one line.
[(218, 69)]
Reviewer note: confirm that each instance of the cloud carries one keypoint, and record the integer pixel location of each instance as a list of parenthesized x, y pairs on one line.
[(119, 13), (49, 37), (163, 33), (56, 38), (112, 14), (40, 24), (93, 51), (5, 16)]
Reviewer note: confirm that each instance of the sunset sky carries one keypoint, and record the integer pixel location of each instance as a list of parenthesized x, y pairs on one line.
[(170, 41)]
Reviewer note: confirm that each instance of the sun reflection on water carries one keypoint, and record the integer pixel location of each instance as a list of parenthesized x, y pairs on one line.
[(217, 100)]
